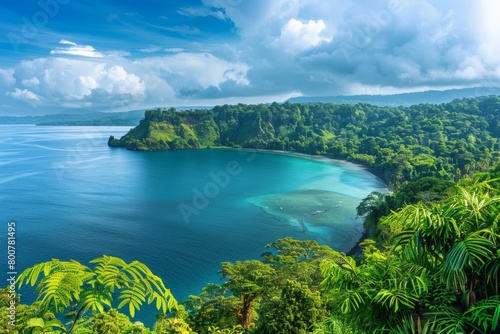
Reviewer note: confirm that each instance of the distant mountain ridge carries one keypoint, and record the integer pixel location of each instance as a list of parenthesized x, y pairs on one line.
[(91, 119), (94, 118), (403, 99)]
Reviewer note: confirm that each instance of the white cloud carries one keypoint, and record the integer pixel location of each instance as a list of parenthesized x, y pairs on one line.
[(201, 11), (116, 81), (76, 50), (31, 82), (112, 82), (151, 49), (24, 95), (64, 41), (487, 30), (63, 80), (299, 36), (472, 68), (7, 76), (323, 47), (310, 47), (196, 70), (250, 16), (174, 50), (84, 86)]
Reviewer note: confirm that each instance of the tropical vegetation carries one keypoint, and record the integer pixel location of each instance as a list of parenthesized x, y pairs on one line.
[(447, 141), (431, 263)]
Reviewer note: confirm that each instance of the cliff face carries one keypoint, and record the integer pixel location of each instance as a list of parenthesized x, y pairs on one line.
[(231, 126), (167, 129)]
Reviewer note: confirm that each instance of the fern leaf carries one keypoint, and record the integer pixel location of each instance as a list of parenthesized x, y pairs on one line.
[(59, 290), (95, 299)]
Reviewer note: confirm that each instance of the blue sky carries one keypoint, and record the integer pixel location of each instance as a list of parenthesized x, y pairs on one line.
[(110, 55)]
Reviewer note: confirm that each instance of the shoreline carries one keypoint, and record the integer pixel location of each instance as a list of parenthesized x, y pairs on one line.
[(376, 173), (365, 234)]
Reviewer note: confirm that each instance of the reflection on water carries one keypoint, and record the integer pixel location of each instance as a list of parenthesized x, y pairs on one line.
[(326, 214)]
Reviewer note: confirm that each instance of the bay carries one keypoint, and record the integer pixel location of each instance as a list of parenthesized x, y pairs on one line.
[(180, 212)]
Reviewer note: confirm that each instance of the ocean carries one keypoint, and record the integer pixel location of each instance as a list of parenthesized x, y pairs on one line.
[(182, 213)]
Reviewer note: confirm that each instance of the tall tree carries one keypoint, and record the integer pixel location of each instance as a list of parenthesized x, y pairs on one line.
[(249, 281), (373, 207), (214, 307), (297, 260), (294, 311)]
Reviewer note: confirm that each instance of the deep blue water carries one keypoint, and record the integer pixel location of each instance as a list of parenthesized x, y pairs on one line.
[(73, 197)]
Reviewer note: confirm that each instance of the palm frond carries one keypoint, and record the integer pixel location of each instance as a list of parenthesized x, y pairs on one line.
[(352, 301), (484, 316), (471, 253)]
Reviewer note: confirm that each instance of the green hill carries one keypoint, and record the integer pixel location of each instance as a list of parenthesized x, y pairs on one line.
[(402, 143)]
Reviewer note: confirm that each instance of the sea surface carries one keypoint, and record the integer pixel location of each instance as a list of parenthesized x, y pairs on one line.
[(180, 212)]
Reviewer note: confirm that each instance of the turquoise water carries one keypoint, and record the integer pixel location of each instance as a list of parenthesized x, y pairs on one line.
[(180, 212)]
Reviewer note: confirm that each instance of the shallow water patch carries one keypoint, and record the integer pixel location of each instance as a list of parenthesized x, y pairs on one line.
[(327, 214)]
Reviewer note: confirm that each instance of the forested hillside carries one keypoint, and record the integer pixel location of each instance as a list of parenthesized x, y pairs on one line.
[(404, 143)]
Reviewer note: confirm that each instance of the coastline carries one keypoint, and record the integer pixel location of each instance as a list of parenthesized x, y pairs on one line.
[(365, 234), (376, 173)]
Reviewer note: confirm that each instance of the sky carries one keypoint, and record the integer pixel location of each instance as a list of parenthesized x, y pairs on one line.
[(113, 55)]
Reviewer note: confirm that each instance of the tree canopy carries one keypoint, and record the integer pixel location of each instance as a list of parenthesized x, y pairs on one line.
[(445, 141)]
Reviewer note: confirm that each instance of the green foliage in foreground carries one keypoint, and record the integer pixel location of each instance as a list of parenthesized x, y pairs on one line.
[(438, 273), (446, 141), (434, 268), (69, 286)]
